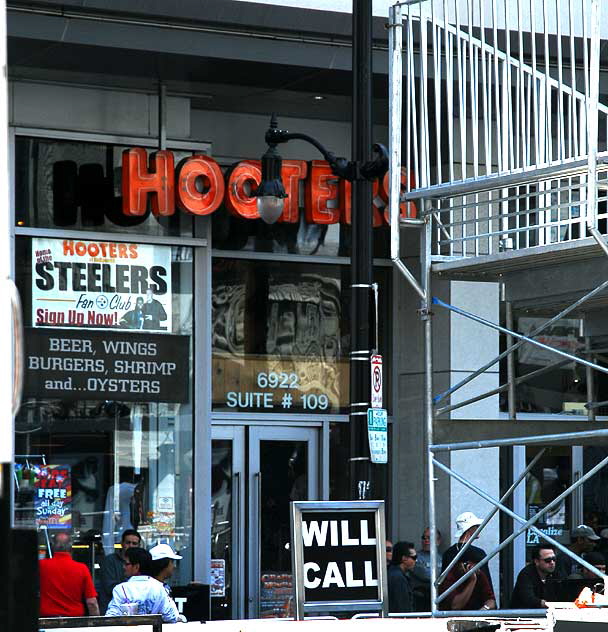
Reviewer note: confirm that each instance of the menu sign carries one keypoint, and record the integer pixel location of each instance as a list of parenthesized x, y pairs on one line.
[(53, 496), (100, 284), (84, 364)]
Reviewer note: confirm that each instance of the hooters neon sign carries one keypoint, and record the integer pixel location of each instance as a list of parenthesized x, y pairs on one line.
[(198, 186)]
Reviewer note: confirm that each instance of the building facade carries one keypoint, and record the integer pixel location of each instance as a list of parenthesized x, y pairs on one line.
[(187, 364)]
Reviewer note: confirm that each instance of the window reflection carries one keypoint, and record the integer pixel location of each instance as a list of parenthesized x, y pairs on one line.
[(110, 464), (550, 476), (78, 186), (281, 336), (558, 385)]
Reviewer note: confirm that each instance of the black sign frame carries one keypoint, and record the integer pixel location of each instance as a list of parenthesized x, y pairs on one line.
[(350, 511), (95, 364)]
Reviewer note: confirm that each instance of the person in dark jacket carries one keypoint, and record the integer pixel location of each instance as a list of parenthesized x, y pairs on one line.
[(112, 568), (582, 540), (153, 311), (531, 588), (400, 596)]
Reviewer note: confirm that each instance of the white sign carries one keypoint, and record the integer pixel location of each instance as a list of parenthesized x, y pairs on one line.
[(377, 433), (101, 285), (376, 364), (218, 578)]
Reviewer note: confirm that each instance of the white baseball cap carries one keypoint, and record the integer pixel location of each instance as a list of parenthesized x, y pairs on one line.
[(465, 521), (162, 551)]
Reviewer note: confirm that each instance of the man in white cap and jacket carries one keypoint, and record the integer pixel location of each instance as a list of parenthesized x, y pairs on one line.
[(162, 567), (466, 524), (163, 562)]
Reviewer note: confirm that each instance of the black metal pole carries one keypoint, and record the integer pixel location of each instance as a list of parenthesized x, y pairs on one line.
[(361, 254)]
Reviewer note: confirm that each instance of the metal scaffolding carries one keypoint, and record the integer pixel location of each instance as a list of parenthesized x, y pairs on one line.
[(494, 138)]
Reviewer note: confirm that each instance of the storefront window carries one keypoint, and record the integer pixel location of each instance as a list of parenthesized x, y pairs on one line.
[(558, 385), (104, 434), (300, 237), (78, 186), (595, 500), (281, 336), (550, 476)]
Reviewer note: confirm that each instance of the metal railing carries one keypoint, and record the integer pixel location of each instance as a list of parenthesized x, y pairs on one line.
[(512, 112), (501, 135), (54, 623)]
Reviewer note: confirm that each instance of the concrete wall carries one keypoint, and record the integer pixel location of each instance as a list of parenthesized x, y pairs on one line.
[(91, 109), (459, 347)]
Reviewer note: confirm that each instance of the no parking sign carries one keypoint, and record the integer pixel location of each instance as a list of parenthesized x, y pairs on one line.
[(376, 365)]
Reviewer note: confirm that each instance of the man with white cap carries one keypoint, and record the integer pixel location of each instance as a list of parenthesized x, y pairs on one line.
[(163, 562), (163, 565), (466, 524)]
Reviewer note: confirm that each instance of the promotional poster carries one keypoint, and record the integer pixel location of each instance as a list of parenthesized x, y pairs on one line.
[(53, 496), (101, 285)]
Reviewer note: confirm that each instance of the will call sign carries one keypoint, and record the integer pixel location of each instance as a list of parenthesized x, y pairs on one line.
[(199, 186)]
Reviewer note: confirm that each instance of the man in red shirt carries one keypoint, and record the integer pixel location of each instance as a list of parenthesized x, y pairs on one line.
[(65, 585)]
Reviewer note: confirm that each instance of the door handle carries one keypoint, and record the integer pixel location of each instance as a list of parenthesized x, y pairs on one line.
[(235, 578), (258, 479)]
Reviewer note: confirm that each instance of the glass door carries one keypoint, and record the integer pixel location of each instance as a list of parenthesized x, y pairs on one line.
[(227, 509), (256, 472), (283, 466)]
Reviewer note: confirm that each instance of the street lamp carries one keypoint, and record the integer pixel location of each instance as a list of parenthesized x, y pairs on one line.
[(361, 172), (271, 192)]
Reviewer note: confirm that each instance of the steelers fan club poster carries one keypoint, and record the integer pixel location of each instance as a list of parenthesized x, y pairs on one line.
[(101, 285)]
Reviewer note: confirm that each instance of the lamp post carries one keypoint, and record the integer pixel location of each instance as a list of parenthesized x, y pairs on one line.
[(361, 171)]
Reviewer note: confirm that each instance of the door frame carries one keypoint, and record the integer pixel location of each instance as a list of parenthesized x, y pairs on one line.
[(256, 434), (236, 434), (245, 572)]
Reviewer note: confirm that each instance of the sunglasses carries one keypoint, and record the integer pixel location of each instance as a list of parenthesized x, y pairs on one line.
[(547, 559), (413, 557), (389, 549)]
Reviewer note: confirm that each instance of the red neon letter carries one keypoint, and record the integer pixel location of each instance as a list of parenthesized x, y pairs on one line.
[(244, 178), (321, 187), (138, 182), (346, 203), (189, 198), (406, 209), (292, 172)]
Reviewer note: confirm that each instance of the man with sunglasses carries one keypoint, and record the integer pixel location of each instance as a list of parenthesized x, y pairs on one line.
[(400, 596), (531, 589), (141, 594)]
